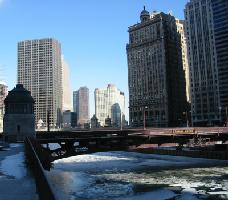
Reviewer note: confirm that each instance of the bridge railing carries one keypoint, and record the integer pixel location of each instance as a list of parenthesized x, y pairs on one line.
[(42, 185)]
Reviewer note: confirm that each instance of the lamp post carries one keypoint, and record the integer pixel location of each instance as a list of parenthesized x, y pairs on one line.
[(48, 121), (226, 116), (144, 118), (220, 117), (121, 126), (186, 118)]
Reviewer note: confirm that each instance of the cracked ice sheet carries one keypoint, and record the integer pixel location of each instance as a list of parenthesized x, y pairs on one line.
[(14, 166), (158, 195), (126, 160), (104, 173)]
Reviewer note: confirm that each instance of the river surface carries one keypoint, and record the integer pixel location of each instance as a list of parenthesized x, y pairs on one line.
[(136, 176)]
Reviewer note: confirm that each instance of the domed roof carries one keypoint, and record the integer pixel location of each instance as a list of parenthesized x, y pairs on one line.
[(145, 15), (19, 95), (145, 12), (94, 117)]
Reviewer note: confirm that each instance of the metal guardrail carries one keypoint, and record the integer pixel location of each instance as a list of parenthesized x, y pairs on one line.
[(42, 185)]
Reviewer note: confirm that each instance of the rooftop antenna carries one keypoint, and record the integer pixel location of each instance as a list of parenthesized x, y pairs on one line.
[(170, 12)]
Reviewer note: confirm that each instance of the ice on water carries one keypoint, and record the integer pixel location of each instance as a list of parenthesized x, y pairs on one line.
[(129, 175)]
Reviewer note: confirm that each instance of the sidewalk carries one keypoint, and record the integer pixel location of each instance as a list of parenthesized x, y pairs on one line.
[(15, 179)]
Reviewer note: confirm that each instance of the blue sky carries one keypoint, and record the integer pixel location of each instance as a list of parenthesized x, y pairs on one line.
[(93, 34)]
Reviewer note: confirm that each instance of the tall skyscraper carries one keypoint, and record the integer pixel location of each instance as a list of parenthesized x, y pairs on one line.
[(3, 94), (204, 81), (40, 71), (155, 73), (109, 102), (220, 21), (180, 30), (81, 105), (67, 99)]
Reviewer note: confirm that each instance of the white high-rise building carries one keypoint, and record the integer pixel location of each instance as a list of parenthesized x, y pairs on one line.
[(3, 94), (40, 71), (67, 99), (109, 102)]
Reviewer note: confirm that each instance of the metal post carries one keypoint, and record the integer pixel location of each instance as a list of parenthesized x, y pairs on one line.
[(121, 121), (220, 116), (144, 119), (191, 118), (48, 121), (187, 123), (226, 116)]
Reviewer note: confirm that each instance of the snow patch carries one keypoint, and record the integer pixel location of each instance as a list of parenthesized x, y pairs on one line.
[(15, 145), (52, 146), (14, 166)]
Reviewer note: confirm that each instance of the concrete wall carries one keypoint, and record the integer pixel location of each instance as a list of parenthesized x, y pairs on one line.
[(17, 126)]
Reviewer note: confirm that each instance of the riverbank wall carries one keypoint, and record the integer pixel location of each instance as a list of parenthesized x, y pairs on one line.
[(219, 155)]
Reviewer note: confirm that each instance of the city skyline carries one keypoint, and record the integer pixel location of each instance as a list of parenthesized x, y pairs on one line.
[(81, 28)]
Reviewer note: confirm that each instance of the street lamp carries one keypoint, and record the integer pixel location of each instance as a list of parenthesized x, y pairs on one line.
[(226, 117), (144, 118), (121, 126), (220, 117), (186, 118)]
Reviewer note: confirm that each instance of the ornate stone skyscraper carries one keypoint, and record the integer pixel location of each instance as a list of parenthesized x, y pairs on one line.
[(155, 73), (40, 71)]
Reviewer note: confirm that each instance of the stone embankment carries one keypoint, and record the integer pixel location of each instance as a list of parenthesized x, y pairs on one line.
[(208, 154)]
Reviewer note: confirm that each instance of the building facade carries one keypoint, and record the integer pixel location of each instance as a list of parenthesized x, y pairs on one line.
[(39, 69), (66, 119), (155, 73), (19, 118), (74, 101), (109, 102), (67, 97), (81, 105), (204, 81), (94, 122), (180, 29), (220, 24), (3, 94)]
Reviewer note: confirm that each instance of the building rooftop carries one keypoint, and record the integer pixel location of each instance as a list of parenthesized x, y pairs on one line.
[(19, 94)]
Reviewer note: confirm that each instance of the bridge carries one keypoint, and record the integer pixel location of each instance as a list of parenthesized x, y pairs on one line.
[(83, 142), (40, 156)]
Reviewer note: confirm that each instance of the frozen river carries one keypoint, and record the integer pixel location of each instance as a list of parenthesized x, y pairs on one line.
[(131, 176)]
